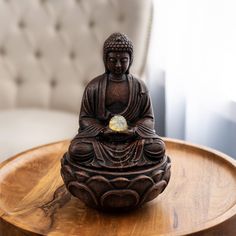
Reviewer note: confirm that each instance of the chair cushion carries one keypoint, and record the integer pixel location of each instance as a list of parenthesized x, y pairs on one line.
[(26, 128)]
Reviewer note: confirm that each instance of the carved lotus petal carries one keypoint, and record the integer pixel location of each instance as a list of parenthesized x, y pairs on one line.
[(120, 199), (120, 182), (82, 192), (99, 185), (154, 191), (67, 170), (157, 175), (140, 184), (81, 176), (66, 174), (166, 176)]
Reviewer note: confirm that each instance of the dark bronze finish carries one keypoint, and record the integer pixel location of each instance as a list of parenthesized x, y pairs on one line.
[(109, 169)]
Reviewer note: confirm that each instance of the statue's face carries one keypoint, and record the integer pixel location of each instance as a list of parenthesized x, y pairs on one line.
[(118, 62)]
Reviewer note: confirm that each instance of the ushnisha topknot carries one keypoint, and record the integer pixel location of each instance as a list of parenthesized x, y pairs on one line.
[(117, 42)]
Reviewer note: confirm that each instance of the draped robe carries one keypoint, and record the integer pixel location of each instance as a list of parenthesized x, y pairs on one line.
[(94, 117)]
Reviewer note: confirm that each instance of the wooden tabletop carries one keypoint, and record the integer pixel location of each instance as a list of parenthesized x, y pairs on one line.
[(200, 198)]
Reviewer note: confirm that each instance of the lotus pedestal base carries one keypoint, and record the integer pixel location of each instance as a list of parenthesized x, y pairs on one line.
[(115, 190)]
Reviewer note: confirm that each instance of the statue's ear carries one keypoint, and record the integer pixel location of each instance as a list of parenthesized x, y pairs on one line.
[(130, 60), (130, 63)]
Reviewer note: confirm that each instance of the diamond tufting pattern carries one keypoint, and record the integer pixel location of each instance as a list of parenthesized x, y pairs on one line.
[(50, 49)]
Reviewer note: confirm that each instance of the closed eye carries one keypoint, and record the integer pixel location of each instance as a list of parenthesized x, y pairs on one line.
[(112, 59), (124, 59)]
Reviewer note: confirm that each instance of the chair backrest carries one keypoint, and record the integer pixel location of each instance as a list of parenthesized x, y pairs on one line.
[(50, 49)]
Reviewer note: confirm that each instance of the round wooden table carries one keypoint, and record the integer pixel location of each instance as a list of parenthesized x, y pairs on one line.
[(200, 198)]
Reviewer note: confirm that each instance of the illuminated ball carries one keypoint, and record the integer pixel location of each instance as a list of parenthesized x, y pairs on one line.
[(118, 123)]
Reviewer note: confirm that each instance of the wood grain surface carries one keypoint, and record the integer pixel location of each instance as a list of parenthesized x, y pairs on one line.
[(200, 198)]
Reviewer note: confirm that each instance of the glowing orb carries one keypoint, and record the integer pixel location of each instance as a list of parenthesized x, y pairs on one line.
[(118, 123)]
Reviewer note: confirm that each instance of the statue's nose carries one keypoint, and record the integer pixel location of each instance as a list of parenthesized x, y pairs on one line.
[(118, 63)]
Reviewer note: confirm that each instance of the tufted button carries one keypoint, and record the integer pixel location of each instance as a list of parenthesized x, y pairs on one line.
[(121, 18), (91, 23), (72, 55), (3, 51), (85, 82), (58, 26), (19, 80), (78, 1), (21, 24), (38, 54), (53, 82), (43, 1)]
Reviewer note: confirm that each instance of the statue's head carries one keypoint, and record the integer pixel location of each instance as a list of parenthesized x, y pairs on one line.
[(117, 54)]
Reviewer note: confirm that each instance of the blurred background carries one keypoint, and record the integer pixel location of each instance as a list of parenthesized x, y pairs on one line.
[(193, 42), (185, 51)]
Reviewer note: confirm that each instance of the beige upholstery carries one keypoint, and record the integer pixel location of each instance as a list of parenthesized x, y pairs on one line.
[(49, 50), (22, 129)]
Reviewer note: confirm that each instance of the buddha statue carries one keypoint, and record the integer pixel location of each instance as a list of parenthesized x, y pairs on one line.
[(116, 135)]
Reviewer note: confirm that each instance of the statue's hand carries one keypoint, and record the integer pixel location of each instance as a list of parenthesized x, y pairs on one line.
[(131, 131), (107, 131)]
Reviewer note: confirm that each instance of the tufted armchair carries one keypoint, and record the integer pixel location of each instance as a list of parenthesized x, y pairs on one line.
[(49, 50)]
